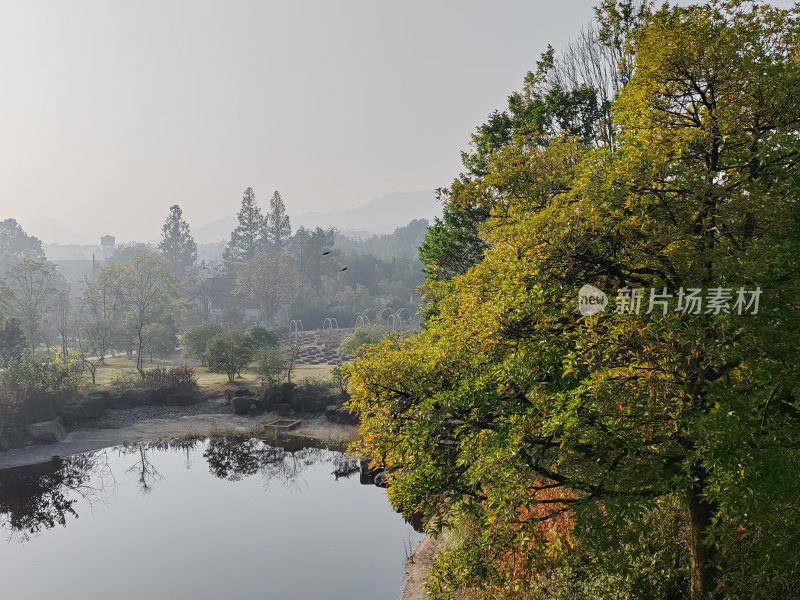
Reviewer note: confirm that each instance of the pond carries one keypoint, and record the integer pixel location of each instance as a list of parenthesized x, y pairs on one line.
[(215, 518)]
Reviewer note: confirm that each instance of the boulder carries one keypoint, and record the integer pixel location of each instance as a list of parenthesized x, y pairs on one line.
[(339, 414), (120, 401), (347, 418), (131, 399), (40, 408), (100, 396), (170, 396), (95, 404), (182, 399), (46, 431), (141, 397), (72, 413), (241, 405), (255, 410), (283, 409), (14, 436), (366, 474)]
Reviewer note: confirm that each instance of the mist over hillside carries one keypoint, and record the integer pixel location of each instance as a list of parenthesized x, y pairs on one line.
[(380, 215)]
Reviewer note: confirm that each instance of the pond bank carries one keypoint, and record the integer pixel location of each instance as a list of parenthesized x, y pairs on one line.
[(417, 568), (154, 423)]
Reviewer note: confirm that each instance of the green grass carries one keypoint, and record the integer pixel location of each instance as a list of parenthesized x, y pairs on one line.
[(207, 382)]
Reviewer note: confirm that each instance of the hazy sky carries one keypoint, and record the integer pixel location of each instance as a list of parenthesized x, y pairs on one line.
[(112, 111)]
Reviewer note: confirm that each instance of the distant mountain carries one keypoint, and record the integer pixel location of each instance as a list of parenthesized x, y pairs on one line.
[(215, 231), (381, 215)]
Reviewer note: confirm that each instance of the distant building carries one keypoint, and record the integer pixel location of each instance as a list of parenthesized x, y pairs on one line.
[(108, 242)]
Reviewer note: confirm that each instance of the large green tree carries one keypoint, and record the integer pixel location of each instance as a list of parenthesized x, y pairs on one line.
[(278, 228), (249, 236), (570, 93), (313, 249), (177, 245), (557, 443)]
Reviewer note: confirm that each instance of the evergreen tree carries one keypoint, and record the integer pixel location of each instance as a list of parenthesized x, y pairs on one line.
[(278, 228), (177, 245), (248, 237)]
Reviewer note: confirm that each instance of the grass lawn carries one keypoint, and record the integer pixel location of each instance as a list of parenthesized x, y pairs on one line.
[(208, 382)]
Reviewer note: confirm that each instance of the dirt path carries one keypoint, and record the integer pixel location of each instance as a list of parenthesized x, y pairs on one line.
[(171, 424)]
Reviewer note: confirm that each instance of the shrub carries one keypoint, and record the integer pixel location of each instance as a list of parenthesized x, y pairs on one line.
[(362, 336), (128, 380), (272, 365), (34, 389), (318, 387), (229, 353), (181, 377), (195, 340), (262, 337), (28, 376), (340, 378)]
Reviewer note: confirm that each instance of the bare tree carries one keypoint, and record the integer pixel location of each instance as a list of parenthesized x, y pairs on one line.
[(152, 294), (204, 285), (102, 307), (272, 278), (92, 339)]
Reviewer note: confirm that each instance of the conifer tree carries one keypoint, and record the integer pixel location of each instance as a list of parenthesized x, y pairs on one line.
[(177, 245), (278, 228), (248, 237)]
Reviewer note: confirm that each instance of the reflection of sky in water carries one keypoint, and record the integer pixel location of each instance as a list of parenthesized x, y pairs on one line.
[(271, 527)]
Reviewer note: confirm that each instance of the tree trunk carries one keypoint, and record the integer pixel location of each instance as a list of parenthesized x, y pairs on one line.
[(703, 568)]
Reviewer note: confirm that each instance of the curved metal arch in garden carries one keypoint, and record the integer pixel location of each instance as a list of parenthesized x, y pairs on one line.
[(394, 323), (330, 330), (399, 315), (296, 333)]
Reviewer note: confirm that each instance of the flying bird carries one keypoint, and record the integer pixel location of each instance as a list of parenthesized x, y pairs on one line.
[(343, 269), (325, 253)]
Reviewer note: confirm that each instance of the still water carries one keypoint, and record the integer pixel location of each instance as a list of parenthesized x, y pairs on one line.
[(218, 519)]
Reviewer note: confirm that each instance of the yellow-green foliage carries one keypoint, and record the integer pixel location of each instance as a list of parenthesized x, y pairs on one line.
[(556, 443)]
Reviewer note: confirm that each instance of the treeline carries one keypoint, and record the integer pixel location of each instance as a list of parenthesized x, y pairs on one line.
[(625, 453), (144, 295), (308, 274)]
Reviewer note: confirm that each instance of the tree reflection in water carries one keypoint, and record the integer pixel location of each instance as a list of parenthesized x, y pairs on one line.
[(33, 499), (39, 498)]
